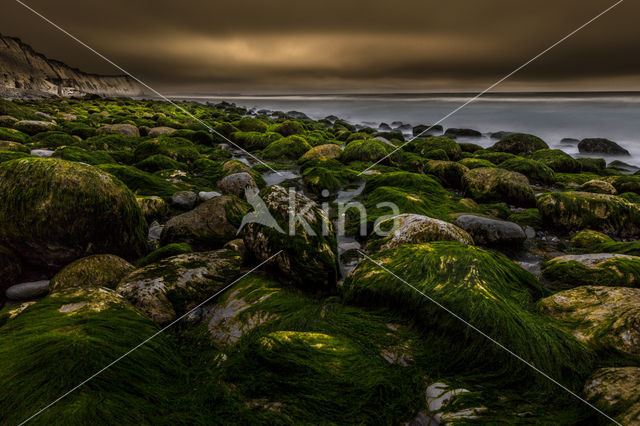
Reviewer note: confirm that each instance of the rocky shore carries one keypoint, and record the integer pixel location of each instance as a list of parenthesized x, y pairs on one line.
[(118, 217)]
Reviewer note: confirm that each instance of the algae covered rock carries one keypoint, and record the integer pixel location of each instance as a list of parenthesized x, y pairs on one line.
[(491, 232), (425, 146), (128, 130), (414, 229), (329, 150), (174, 285), (487, 290), (557, 160), (153, 208), (601, 146), (209, 225), (100, 270), (367, 150), (608, 318), (602, 269), (13, 146), (572, 211), (534, 170), (69, 336), (32, 127), (448, 173), (291, 148), (492, 184), (587, 239), (236, 184), (291, 222), (519, 143), (53, 212), (598, 187), (615, 390)]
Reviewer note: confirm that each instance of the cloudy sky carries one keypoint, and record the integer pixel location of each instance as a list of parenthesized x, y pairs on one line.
[(294, 46)]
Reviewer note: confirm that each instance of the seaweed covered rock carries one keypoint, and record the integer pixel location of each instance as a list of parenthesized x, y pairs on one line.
[(69, 336), (492, 184), (209, 225), (614, 390), (598, 187), (251, 124), (366, 150), (448, 173), (159, 131), (153, 208), (329, 150), (174, 285), (487, 290), (601, 146), (587, 239), (159, 162), (291, 223), (10, 268), (572, 211), (519, 143), (602, 269), (141, 182), (474, 163), (255, 140), (178, 149), (291, 148), (491, 232), (32, 127), (326, 174), (13, 146), (74, 153), (8, 134), (236, 184), (414, 229), (100, 270), (534, 170), (53, 212), (425, 146), (128, 130), (289, 128), (164, 252), (557, 160), (607, 318)]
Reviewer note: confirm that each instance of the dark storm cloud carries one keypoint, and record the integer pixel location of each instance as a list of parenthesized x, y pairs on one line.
[(285, 45)]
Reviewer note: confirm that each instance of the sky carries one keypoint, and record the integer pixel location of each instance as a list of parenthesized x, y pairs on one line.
[(331, 46)]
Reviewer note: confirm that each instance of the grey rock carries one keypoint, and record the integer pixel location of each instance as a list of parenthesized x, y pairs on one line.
[(236, 184), (206, 196), (492, 232), (601, 146), (159, 131), (155, 231), (28, 291), (184, 199), (45, 153)]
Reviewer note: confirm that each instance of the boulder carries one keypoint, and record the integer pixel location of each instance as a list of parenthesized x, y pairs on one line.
[(556, 159), (290, 222), (414, 229), (153, 207), (601, 146), (209, 225), (615, 390), (486, 184), (13, 146), (607, 318), (425, 146), (159, 131), (288, 148), (602, 269), (598, 187), (587, 239), (28, 291), (572, 211), (491, 232), (207, 195), (329, 150), (53, 212), (534, 170), (124, 129), (468, 133), (100, 270), (367, 150), (519, 143), (171, 287), (32, 127), (448, 173), (237, 184), (185, 200)]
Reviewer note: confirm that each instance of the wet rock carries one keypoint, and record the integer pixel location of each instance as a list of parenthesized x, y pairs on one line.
[(468, 133), (608, 269), (174, 285), (28, 291), (604, 317), (328, 150), (102, 270), (601, 146), (491, 232), (491, 184), (237, 184), (423, 129), (598, 187), (206, 196), (185, 200), (414, 229), (125, 129)]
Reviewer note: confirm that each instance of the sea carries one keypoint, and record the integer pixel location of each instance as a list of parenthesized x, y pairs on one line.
[(551, 116)]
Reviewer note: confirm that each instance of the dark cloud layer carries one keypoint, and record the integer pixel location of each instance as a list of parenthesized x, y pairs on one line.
[(304, 46)]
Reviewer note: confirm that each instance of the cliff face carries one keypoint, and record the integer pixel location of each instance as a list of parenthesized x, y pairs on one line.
[(27, 73)]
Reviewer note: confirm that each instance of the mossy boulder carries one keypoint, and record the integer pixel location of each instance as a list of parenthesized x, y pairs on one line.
[(606, 318), (601, 269), (69, 336), (237, 184), (494, 157), (159, 131), (557, 160), (77, 154), (178, 149), (54, 211), (474, 163), (485, 289), (108, 142), (164, 252), (586, 239), (159, 162), (12, 155), (366, 150), (424, 146), (234, 166), (573, 211), (293, 224), (329, 150), (31, 127), (493, 184), (614, 390), (255, 140), (290, 148), (448, 173), (100, 270), (7, 134), (140, 182), (534, 170), (171, 287), (598, 187), (208, 226), (10, 268), (625, 183), (13, 146), (153, 208), (128, 130), (519, 143), (326, 174), (601, 146), (251, 124), (592, 165), (289, 128), (413, 229)]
